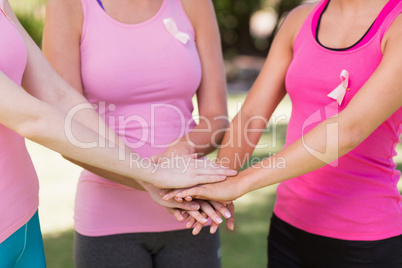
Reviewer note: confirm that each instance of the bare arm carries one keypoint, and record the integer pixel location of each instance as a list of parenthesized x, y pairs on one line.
[(352, 130), (43, 123), (211, 94), (268, 90), (61, 46)]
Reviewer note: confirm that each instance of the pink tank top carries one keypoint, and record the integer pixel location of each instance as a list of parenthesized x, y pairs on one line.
[(358, 199), (143, 79), (18, 181)]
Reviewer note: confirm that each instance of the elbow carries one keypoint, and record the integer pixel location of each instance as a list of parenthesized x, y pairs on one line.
[(34, 127), (221, 130), (351, 137), (223, 123), (32, 130)]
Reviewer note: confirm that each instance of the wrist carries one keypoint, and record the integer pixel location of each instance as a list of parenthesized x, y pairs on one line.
[(151, 171), (185, 147), (242, 184)]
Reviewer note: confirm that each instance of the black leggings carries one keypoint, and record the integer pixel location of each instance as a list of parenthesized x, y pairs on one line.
[(175, 249), (289, 247)]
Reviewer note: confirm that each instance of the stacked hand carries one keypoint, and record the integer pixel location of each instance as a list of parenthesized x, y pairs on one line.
[(203, 172)]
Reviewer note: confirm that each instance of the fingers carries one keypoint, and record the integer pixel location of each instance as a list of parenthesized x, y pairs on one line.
[(187, 206), (230, 221), (188, 198), (203, 179), (177, 213), (178, 199), (190, 222), (185, 215), (169, 194), (198, 192), (223, 210), (210, 212), (213, 228), (197, 228), (198, 216), (193, 223)]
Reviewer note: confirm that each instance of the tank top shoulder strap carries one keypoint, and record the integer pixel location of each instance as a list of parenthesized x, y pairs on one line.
[(2, 5), (176, 9), (391, 15), (309, 26), (85, 4)]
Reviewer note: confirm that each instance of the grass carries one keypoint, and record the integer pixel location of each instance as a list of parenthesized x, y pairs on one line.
[(31, 14), (59, 249)]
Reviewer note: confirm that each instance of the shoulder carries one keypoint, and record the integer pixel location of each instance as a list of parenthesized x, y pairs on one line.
[(296, 17), (67, 9), (71, 5), (199, 11), (393, 36), (65, 14)]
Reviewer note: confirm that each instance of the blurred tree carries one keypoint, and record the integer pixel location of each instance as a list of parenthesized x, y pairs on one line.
[(233, 18), (234, 23), (33, 26)]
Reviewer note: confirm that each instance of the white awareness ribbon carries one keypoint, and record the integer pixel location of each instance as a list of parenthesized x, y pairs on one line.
[(339, 92), (172, 29)]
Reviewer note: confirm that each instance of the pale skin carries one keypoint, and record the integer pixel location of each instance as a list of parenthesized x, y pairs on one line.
[(38, 112), (384, 88), (62, 33)]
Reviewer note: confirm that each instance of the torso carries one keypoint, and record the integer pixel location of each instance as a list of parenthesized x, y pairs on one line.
[(19, 187), (357, 198), (149, 77)]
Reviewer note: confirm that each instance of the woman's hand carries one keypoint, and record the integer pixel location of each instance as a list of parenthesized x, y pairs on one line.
[(228, 190), (228, 213), (169, 204), (212, 209), (176, 148), (182, 172), (198, 210)]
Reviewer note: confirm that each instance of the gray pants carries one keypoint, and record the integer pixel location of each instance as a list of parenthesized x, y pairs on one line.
[(174, 249)]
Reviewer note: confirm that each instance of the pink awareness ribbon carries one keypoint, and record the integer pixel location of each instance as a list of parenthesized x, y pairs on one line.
[(339, 92)]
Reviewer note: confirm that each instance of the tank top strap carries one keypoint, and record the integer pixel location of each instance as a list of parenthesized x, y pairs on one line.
[(85, 9), (308, 28), (315, 15), (392, 14), (175, 9)]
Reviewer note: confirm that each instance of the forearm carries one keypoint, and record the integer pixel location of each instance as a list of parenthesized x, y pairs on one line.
[(110, 175), (240, 139), (44, 83), (205, 137), (42, 123), (321, 146)]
